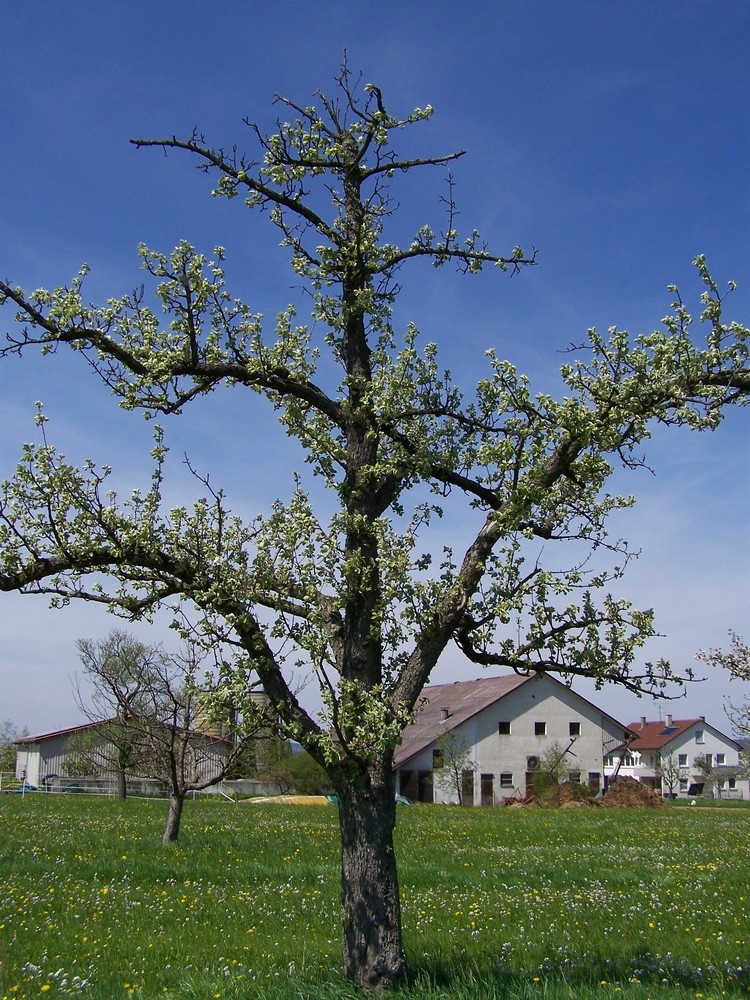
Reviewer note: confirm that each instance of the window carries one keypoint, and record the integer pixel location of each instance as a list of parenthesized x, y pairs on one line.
[(732, 783), (652, 760), (506, 779), (575, 776), (683, 784), (700, 736), (437, 759), (503, 728), (574, 729), (709, 758), (720, 759), (540, 729), (682, 759)]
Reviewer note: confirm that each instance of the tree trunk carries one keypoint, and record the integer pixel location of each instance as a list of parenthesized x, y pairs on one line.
[(122, 789), (370, 905), (172, 829)]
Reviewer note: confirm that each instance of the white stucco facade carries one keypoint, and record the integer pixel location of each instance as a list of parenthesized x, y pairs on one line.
[(507, 738), (648, 759)]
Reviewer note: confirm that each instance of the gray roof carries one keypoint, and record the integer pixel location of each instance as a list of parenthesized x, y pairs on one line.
[(62, 732), (462, 699)]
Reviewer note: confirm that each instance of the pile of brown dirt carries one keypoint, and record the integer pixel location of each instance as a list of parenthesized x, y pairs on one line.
[(563, 796), (631, 793), (573, 792)]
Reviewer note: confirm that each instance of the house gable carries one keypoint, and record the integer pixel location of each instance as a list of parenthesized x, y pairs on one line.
[(507, 723), (676, 734), (445, 707)]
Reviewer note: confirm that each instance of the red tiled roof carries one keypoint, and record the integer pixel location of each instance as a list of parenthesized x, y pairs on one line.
[(462, 699), (654, 735)]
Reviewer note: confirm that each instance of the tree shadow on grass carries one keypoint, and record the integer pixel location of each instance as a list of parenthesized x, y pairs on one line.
[(590, 977), (642, 974)]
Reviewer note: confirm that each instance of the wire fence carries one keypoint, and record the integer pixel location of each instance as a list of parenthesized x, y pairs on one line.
[(141, 788)]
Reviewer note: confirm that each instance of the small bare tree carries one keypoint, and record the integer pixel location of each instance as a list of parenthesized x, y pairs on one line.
[(553, 771), (8, 735), (116, 670), (705, 765), (669, 768), (453, 758), (161, 723), (737, 661)]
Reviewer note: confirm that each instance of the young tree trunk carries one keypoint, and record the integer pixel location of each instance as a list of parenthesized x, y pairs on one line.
[(370, 905), (172, 829), (122, 789)]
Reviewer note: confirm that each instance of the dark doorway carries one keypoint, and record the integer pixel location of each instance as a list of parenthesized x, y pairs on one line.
[(417, 785), (487, 792), (467, 788)]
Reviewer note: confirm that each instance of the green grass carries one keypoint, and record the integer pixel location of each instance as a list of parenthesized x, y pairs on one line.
[(497, 903), (708, 803)]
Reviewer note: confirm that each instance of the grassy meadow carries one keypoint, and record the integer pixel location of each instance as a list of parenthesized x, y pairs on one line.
[(496, 902)]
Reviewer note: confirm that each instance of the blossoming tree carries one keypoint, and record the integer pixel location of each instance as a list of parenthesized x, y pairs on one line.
[(355, 594)]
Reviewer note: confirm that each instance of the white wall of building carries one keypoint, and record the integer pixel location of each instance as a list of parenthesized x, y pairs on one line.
[(700, 740), (538, 714)]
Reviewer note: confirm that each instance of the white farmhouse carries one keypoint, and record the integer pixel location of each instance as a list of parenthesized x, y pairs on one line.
[(666, 755), (506, 723)]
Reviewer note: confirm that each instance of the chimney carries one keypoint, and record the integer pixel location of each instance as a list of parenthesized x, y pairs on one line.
[(643, 722), (669, 720), (703, 718), (444, 714)]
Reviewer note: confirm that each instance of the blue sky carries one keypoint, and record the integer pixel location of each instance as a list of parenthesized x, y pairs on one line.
[(612, 137)]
